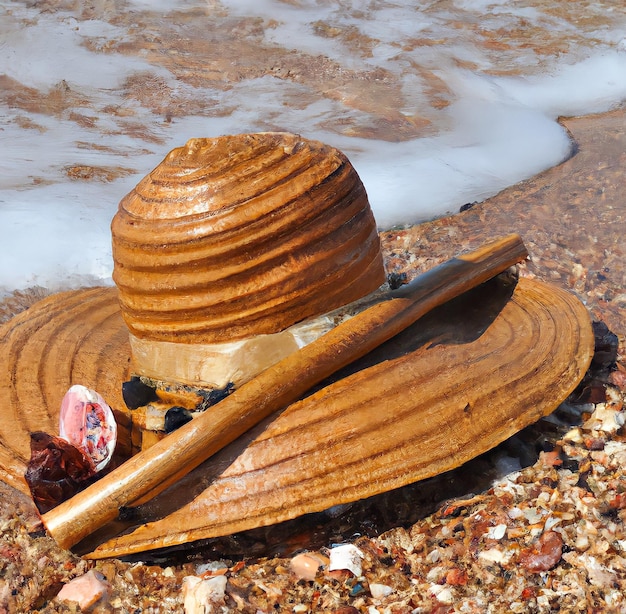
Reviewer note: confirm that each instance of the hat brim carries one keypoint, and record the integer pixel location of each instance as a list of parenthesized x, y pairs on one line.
[(454, 385), (458, 382)]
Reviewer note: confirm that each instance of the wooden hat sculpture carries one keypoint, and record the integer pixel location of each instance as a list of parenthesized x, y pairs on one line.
[(219, 260)]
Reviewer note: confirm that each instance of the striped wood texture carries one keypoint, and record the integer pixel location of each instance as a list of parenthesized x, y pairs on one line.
[(75, 337), (242, 235)]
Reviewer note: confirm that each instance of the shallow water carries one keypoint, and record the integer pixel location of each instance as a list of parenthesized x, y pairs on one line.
[(437, 103)]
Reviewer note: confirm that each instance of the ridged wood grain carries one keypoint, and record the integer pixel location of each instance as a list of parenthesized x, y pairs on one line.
[(464, 386), (242, 235)]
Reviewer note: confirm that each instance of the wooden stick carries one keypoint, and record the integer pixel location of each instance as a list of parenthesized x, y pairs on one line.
[(151, 470)]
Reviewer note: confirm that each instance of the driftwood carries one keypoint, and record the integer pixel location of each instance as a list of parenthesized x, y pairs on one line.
[(451, 387), (148, 472)]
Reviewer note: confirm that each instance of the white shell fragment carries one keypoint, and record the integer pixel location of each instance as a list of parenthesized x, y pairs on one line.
[(442, 594), (87, 422), (606, 417), (203, 596), (497, 532), (379, 591), (346, 556)]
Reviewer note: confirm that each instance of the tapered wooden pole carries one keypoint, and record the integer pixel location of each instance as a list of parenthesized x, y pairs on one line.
[(151, 470)]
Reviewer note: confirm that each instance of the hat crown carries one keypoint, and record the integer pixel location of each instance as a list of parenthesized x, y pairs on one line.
[(242, 235)]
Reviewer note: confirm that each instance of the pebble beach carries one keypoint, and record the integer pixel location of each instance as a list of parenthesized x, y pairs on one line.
[(548, 536)]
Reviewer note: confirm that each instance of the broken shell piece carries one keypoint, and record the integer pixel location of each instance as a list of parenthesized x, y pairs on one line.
[(229, 243), (497, 532), (203, 596), (379, 591), (87, 422), (605, 418), (85, 590), (574, 435), (306, 564), (346, 556)]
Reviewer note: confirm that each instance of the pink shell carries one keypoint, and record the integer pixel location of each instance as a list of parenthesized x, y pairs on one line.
[(87, 422), (85, 590)]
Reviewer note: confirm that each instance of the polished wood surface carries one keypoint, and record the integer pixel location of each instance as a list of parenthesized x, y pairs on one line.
[(150, 471), (80, 337), (242, 235)]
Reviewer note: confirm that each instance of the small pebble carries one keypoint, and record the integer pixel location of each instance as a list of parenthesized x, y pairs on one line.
[(85, 590), (378, 591), (544, 554), (456, 577), (497, 532), (136, 393), (442, 594), (306, 564), (574, 435), (203, 596)]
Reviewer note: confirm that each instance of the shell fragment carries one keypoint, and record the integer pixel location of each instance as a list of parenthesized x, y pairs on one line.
[(346, 556), (87, 422)]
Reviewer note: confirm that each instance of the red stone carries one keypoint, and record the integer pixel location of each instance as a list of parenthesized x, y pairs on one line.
[(544, 554)]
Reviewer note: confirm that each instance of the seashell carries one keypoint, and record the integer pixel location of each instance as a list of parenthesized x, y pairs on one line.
[(235, 237), (346, 556), (87, 422)]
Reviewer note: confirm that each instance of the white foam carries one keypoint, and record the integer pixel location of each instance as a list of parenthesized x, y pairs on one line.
[(47, 49), (491, 147), (504, 131), (164, 6), (64, 244), (593, 85)]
